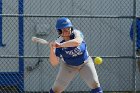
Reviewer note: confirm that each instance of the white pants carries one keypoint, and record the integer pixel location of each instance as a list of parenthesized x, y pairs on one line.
[(66, 73)]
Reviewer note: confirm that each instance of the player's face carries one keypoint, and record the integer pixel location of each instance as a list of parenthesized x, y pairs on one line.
[(66, 32)]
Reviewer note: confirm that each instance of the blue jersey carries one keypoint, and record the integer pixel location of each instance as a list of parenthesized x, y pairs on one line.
[(73, 55)]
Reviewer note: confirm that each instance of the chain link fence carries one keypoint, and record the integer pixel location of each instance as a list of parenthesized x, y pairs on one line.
[(24, 65)]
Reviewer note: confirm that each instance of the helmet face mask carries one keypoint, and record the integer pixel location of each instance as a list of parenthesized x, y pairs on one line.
[(60, 30), (66, 32)]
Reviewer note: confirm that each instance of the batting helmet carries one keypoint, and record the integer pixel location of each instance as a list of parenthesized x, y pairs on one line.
[(63, 23)]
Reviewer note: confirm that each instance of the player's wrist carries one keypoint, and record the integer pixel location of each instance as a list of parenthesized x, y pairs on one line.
[(62, 44)]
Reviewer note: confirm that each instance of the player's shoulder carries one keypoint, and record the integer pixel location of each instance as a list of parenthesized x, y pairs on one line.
[(78, 33), (76, 30), (59, 39)]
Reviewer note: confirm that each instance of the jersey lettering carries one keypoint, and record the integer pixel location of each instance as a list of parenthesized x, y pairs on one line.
[(74, 52)]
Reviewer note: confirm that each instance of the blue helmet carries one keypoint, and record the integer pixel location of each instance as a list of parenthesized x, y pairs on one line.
[(63, 23)]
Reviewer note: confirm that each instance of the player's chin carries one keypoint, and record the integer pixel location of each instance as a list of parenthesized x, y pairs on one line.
[(65, 35)]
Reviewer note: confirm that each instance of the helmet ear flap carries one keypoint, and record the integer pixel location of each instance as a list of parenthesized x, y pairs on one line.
[(71, 29), (59, 31)]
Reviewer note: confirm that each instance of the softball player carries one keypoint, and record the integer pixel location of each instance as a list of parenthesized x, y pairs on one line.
[(137, 39), (71, 48)]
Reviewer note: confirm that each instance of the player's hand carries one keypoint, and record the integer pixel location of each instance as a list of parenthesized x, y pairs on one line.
[(55, 45)]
